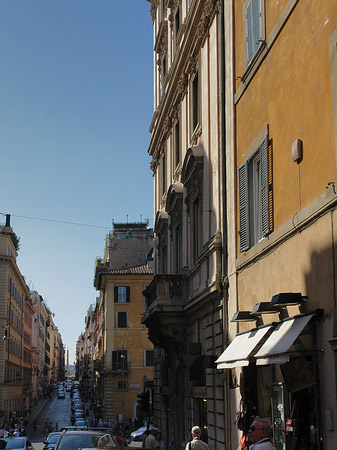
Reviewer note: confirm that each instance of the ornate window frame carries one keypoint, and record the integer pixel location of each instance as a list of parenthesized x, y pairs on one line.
[(192, 179), (161, 233), (174, 208)]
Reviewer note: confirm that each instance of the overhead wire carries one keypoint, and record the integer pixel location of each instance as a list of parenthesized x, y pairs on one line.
[(59, 221)]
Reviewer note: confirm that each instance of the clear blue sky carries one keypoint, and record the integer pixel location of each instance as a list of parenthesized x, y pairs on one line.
[(76, 102)]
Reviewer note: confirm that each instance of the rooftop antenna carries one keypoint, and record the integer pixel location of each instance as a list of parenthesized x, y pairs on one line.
[(141, 218), (127, 218)]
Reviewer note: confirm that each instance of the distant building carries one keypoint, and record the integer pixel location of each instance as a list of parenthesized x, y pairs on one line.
[(123, 355), (27, 388), (13, 293)]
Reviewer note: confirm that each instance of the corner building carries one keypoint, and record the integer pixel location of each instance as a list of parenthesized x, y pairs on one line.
[(183, 310)]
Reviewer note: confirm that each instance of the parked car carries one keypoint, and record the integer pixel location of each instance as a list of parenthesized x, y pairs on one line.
[(16, 443), (71, 439), (80, 423), (139, 434), (61, 394), (50, 440)]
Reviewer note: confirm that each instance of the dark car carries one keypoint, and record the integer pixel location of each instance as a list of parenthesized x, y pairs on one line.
[(51, 440), (16, 443), (74, 439)]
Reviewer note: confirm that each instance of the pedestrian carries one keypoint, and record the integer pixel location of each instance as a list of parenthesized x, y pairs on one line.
[(259, 435), (159, 439), (56, 426), (120, 439), (196, 443), (151, 441), (35, 427)]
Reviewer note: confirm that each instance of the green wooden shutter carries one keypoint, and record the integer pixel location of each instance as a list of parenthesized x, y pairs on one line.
[(264, 186), (116, 294), (244, 207), (253, 28), (128, 293)]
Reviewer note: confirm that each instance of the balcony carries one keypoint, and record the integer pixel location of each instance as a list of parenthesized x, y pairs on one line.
[(120, 368), (116, 367), (164, 315)]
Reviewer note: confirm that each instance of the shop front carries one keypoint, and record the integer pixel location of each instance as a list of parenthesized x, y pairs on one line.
[(279, 380)]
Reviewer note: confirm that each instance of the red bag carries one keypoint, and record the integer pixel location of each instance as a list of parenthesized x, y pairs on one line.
[(243, 442), (289, 428)]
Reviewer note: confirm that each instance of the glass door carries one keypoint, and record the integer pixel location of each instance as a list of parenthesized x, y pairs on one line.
[(278, 423)]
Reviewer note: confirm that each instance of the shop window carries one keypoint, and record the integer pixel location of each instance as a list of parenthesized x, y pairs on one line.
[(255, 196)]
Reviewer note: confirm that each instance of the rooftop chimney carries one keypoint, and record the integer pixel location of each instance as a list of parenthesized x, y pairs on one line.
[(7, 228)]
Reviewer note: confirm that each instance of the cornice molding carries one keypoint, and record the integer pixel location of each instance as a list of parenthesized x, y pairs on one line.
[(197, 26), (153, 10)]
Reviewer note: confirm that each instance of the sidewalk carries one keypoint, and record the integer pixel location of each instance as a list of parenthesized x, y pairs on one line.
[(36, 411)]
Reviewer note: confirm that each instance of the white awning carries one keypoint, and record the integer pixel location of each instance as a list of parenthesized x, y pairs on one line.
[(238, 352), (274, 350)]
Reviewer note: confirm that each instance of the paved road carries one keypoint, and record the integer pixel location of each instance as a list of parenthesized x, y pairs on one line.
[(57, 411)]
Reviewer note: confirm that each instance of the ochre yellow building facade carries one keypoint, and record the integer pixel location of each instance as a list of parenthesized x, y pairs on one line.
[(284, 139)]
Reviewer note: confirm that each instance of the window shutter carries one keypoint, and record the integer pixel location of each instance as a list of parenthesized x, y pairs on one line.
[(253, 24), (121, 319), (264, 186), (244, 207), (128, 293), (114, 359), (116, 294)]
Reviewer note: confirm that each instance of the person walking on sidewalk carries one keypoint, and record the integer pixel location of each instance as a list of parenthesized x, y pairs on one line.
[(196, 443), (259, 435), (151, 441)]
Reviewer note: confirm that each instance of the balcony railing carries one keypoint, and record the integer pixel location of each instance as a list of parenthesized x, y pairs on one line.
[(165, 291), (119, 367)]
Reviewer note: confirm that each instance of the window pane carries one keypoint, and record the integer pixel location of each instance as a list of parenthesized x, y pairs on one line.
[(121, 319), (149, 358), (121, 293)]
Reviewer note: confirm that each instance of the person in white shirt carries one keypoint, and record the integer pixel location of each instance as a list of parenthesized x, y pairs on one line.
[(259, 435), (196, 443), (151, 441)]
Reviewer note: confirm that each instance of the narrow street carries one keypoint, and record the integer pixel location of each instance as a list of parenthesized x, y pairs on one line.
[(57, 411)]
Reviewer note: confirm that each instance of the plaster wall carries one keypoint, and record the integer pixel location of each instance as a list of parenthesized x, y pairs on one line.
[(303, 263), (292, 92)]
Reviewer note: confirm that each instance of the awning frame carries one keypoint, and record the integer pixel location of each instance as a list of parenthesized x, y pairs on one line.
[(225, 361)]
